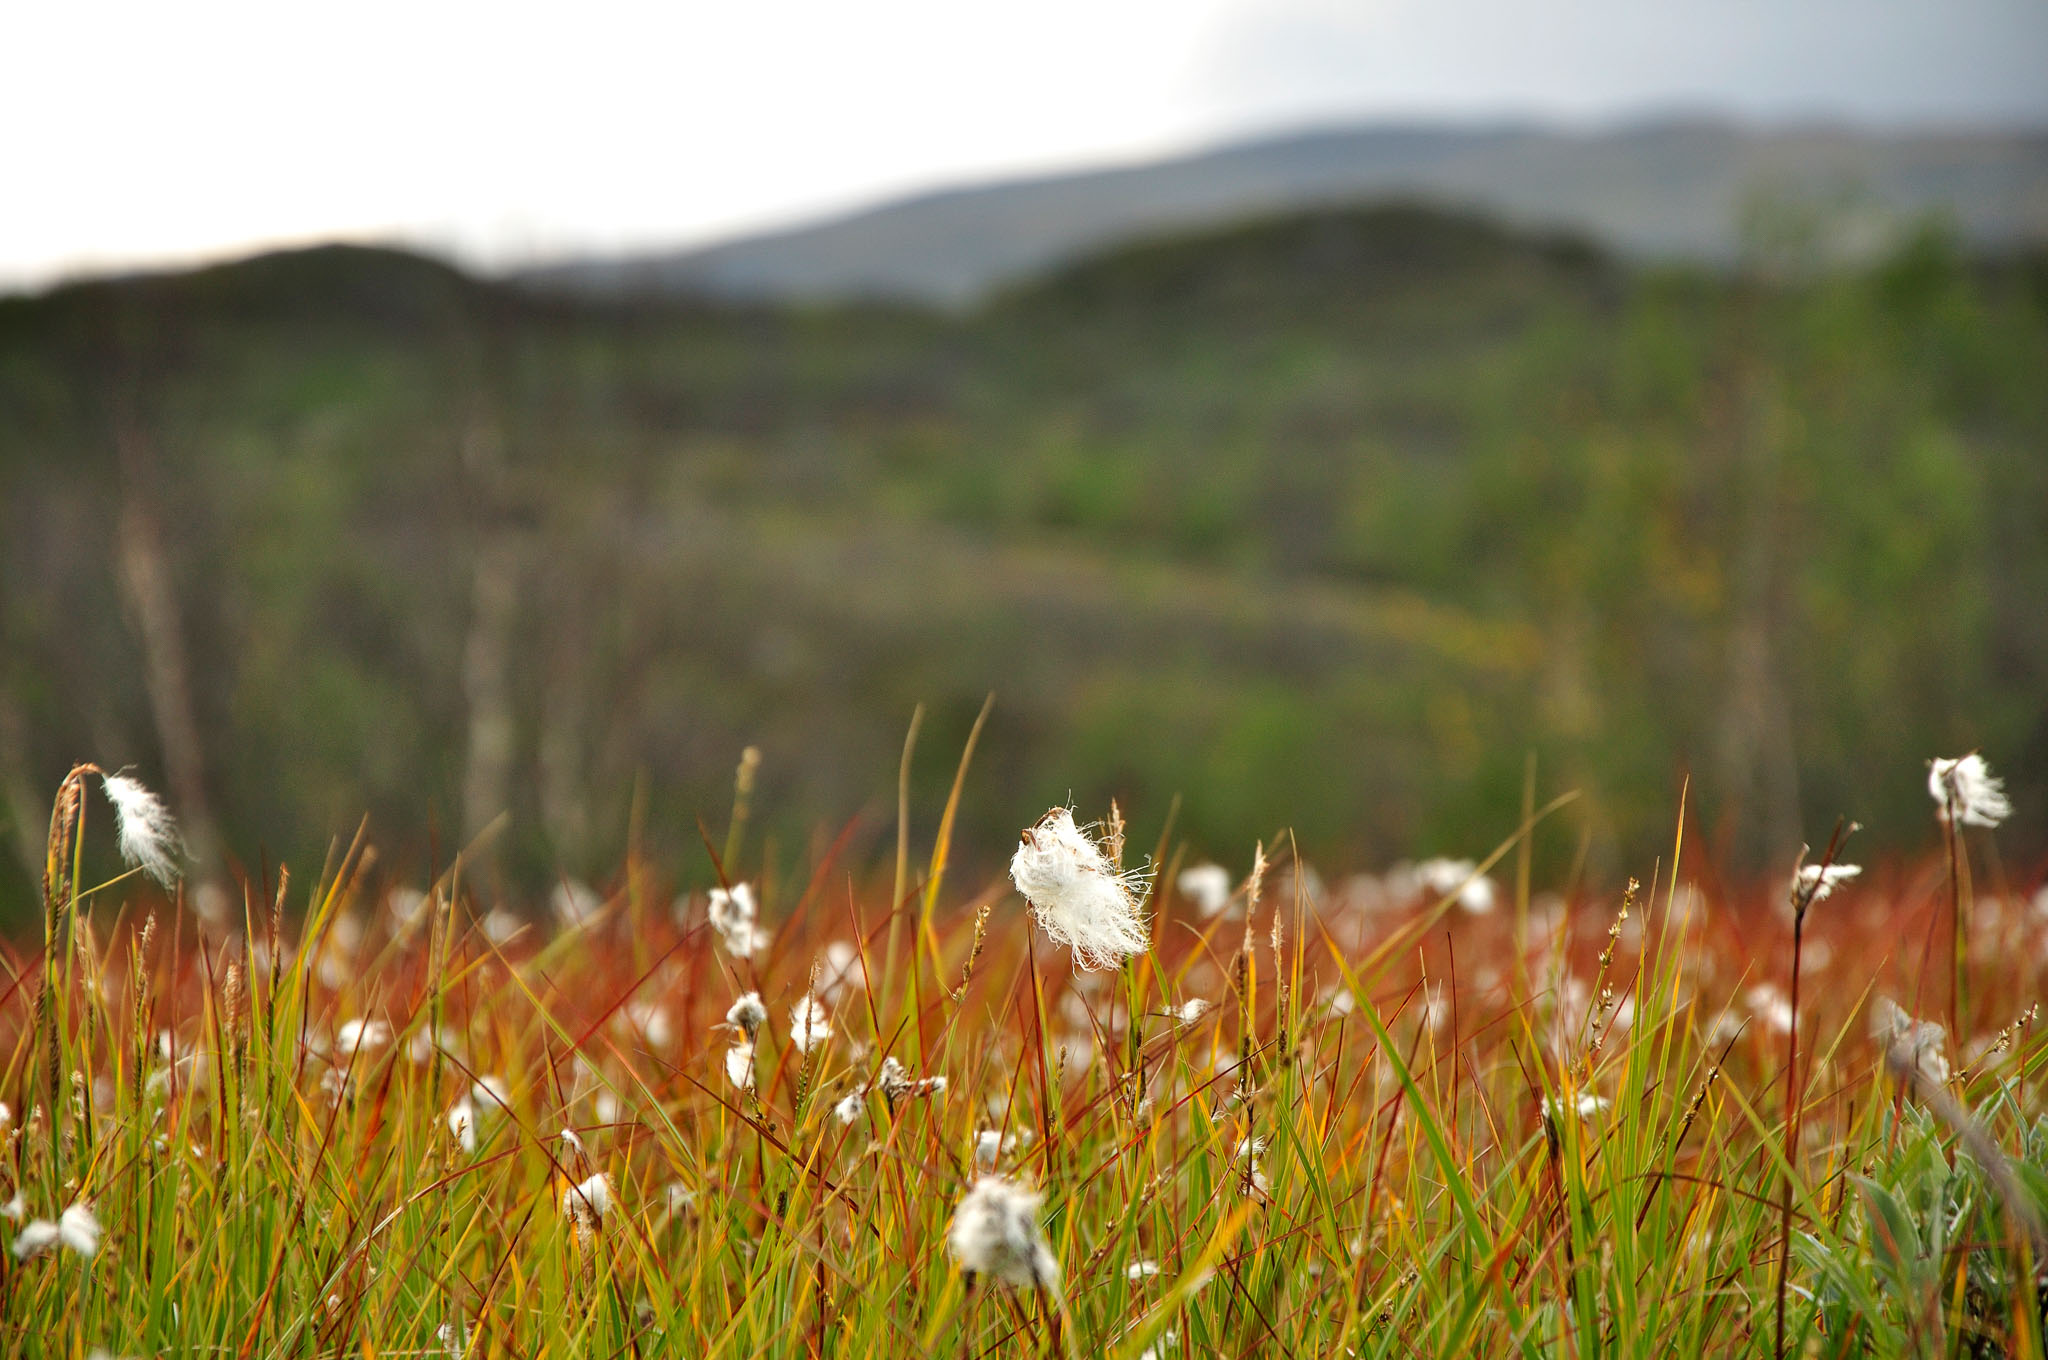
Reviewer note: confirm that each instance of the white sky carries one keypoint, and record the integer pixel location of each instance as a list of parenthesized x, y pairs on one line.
[(139, 133)]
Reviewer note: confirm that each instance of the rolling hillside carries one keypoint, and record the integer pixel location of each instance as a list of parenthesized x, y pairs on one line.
[(1329, 518), (1673, 190)]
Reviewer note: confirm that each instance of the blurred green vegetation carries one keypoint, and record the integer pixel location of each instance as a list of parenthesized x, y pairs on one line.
[(1324, 522)]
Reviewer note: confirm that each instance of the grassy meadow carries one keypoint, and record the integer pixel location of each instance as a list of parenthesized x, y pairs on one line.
[(1388, 1115)]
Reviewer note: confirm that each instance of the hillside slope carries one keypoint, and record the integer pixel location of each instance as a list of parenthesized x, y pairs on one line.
[(1671, 190), (1329, 519)]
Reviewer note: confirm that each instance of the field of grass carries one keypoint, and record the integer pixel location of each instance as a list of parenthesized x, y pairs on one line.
[(1336, 1118)]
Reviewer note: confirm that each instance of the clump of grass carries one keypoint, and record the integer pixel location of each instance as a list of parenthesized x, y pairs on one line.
[(747, 1123)]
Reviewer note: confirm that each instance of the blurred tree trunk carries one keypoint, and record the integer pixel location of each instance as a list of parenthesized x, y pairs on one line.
[(145, 578), (1757, 764), (497, 571), (562, 740), (18, 796)]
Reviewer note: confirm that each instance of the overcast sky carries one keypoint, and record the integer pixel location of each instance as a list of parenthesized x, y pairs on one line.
[(503, 132)]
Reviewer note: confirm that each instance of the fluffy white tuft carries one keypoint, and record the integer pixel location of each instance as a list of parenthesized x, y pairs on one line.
[(990, 1145), (1207, 887), (809, 1025), (1816, 882), (357, 1036), (1079, 897), (1585, 1106), (1461, 878), (586, 1204), (1967, 786), (574, 904), (462, 1124), (739, 1066), (490, 1094), (80, 1228), (838, 971), (77, 1228), (747, 1014), (147, 832), (1770, 1007), (38, 1237), (732, 915), (995, 1232), (1909, 1045)]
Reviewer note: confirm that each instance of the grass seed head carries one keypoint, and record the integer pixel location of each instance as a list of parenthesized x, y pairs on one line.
[(462, 1124), (1909, 1045), (739, 1066), (1206, 887), (1082, 900), (732, 913), (587, 1204), (77, 1229), (995, 1232), (1817, 882), (747, 1015), (1967, 786), (809, 1024), (143, 825)]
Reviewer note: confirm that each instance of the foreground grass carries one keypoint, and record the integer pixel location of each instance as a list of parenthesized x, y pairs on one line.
[(1393, 1128)]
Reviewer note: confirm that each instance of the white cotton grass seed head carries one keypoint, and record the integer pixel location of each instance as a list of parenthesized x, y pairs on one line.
[(80, 1228), (650, 1021), (739, 1066), (462, 1124), (1459, 878), (39, 1236), (144, 827), (586, 1205), (490, 1094), (574, 903), (995, 1232), (1909, 1045), (356, 1036), (732, 914), (809, 1025), (851, 1107), (1206, 887), (840, 970), (1167, 1345), (1079, 897), (1585, 1105), (747, 1014), (1770, 1007), (991, 1145), (77, 1229), (1817, 882), (1966, 786)]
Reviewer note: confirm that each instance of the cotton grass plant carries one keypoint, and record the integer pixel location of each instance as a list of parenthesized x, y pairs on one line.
[(1309, 1124)]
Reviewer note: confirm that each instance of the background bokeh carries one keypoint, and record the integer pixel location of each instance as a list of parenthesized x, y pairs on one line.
[(1325, 480)]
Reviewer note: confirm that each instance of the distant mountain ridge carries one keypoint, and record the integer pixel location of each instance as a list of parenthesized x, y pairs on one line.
[(1672, 189)]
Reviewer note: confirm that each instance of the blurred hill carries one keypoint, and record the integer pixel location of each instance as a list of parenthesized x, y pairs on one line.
[(1324, 521), (1670, 190)]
